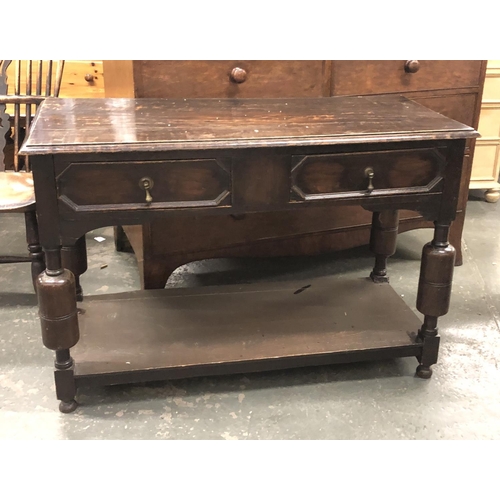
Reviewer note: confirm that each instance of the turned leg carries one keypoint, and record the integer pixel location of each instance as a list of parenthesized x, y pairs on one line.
[(59, 321), (434, 291), (74, 258), (383, 238), (34, 247)]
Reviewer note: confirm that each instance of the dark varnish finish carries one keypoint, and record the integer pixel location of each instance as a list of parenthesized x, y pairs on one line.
[(132, 125), (383, 154)]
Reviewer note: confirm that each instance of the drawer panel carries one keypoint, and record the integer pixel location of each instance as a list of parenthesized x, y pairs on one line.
[(120, 185), (82, 79), (189, 79), (376, 77), (460, 107), (319, 177)]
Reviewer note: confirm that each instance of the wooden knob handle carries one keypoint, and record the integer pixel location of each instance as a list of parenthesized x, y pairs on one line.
[(412, 66), (238, 75), (89, 78)]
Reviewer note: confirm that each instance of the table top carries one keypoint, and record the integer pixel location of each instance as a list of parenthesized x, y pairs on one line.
[(128, 125)]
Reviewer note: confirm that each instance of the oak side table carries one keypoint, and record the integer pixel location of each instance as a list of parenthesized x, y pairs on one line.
[(109, 162)]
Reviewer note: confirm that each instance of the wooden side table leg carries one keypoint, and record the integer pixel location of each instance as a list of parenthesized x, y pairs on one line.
[(383, 238), (74, 258), (59, 321), (34, 247), (434, 291)]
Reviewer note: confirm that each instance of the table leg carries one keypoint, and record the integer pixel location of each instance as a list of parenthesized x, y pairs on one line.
[(74, 258), (34, 247), (434, 291), (383, 238), (59, 321)]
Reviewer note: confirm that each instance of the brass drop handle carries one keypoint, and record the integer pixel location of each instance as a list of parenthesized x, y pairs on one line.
[(412, 66), (370, 174), (147, 184), (238, 75)]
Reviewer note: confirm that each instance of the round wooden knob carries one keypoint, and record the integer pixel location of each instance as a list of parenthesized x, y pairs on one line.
[(238, 75), (89, 78), (412, 66)]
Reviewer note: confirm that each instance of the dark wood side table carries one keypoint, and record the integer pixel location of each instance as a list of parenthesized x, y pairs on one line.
[(125, 161)]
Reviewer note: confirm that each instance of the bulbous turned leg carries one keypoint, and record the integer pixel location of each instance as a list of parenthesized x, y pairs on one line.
[(74, 258), (34, 247), (434, 292), (60, 331), (383, 239)]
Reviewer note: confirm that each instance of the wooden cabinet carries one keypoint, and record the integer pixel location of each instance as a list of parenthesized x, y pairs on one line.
[(486, 165), (453, 88)]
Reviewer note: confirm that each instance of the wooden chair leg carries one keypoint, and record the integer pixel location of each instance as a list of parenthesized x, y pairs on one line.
[(35, 250)]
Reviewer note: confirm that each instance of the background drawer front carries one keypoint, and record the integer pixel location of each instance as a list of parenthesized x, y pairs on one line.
[(343, 175), (376, 77), (179, 183), (82, 79), (459, 107), (188, 79)]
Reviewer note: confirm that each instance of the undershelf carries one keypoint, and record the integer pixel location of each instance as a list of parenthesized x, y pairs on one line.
[(176, 333)]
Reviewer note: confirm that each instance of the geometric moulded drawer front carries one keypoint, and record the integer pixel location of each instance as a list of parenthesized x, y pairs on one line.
[(171, 184), (319, 177)]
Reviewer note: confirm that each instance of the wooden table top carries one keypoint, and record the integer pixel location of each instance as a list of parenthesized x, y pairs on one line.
[(129, 125)]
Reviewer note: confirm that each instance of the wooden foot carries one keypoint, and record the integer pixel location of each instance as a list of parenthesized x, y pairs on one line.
[(492, 195), (424, 372), (68, 406)]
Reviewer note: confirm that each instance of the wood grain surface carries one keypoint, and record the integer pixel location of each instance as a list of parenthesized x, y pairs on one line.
[(126, 125)]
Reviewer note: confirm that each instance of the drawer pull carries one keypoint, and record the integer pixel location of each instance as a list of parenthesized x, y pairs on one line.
[(89, 78), (147, 184), (238, 75), (370, 174), (412, 66)]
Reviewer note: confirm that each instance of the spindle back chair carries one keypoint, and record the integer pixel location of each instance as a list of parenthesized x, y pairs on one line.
[(33, 82)]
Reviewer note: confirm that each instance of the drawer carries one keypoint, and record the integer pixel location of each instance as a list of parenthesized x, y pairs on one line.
[(82, 79), (459, 107), (189, 79), (319, 177), (121, 185), (377, 77)]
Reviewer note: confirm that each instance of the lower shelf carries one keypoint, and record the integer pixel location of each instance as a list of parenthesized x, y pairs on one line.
[(176, 333)]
